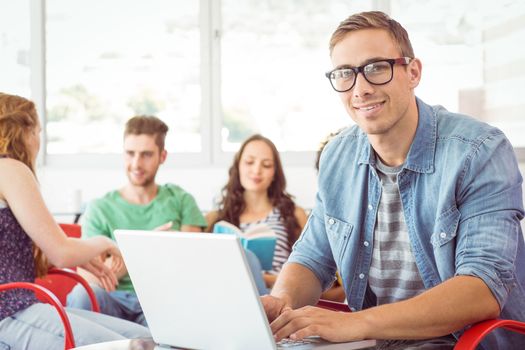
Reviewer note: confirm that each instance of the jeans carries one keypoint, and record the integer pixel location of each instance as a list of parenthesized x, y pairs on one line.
[(39, 327), (121, 304)]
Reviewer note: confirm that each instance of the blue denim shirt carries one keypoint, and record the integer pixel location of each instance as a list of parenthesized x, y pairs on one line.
[(461, 191)]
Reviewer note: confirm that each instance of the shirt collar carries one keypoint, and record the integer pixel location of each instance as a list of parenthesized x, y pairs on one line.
[(421, 154)]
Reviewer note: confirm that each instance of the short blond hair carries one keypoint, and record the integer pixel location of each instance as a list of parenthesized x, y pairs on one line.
[(374, 20)]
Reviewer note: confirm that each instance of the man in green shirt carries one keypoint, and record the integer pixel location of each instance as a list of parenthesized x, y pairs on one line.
[(140, 204)]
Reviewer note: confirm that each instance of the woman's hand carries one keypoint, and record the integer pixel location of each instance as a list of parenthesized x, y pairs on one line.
[(114, 259), (106, 277)]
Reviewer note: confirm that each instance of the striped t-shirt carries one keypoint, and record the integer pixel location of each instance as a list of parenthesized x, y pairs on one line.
[(393, 275), (282, 248)]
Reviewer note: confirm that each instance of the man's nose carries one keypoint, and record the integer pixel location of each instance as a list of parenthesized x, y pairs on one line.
[(362, 87), (135, 161)]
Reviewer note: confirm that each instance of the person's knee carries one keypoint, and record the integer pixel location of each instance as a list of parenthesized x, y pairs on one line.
[(141, 320), (79, 298)]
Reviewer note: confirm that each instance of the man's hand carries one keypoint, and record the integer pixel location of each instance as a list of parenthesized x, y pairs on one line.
[(273, 306), (308, 321), (269, 280), (115, 262), (100, 273), (166, 227)]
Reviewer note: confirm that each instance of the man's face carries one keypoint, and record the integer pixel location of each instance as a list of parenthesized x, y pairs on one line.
[(377, 109), (142, 159)]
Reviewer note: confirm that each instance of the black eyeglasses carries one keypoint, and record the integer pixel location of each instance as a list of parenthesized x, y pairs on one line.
[(378, 73)]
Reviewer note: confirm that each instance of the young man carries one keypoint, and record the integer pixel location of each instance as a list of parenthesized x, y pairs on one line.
[(140, 204), (418, 208)]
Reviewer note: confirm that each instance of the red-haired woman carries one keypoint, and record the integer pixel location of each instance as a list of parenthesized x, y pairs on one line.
[(30, 240)]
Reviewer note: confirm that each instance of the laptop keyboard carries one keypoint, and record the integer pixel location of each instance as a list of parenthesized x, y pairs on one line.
[(290, 343)]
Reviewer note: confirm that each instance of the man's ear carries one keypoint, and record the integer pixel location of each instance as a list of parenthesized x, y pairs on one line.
[(163, 156), (414, 72)]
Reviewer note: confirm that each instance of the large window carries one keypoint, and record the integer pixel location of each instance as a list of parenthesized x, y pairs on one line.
[(273, 56), (110, 60), (219, 70), (473, 60), (14, 47)]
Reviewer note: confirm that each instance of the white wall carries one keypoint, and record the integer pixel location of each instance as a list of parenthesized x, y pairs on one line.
[(61, 187)]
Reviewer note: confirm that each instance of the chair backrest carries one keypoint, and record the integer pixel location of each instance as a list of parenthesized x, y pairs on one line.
[(47, 297), (59, 284), (72, 230)]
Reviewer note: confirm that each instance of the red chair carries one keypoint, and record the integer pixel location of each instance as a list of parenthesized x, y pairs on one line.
[(44, 294), (62, 281), (54, 287), (475, 334), (470, 338)]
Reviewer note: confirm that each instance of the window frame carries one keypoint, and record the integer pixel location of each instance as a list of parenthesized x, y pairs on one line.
[(211, 153)]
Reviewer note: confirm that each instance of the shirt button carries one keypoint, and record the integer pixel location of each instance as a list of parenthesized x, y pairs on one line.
[(361, 276), (443, 235), (366, 244), (370, 207), (331, 221)]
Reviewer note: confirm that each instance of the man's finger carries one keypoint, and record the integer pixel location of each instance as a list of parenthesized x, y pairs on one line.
[(289, 322), (164, 227)]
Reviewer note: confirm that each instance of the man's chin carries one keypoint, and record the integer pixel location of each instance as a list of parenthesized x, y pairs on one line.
[(140, 183)]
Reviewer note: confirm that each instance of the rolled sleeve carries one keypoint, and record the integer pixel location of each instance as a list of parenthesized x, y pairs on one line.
[(313, 251), (487, 250), (491, 209)]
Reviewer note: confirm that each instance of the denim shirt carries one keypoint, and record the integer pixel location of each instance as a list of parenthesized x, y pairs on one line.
[(462, 200)]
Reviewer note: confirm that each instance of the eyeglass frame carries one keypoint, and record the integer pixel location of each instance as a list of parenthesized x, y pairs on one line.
[(392, 61)]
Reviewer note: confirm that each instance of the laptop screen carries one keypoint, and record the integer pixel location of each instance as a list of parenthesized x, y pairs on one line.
[(197, 292), (195, 289)]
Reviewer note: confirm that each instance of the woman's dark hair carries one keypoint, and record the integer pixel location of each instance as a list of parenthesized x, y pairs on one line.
[(232, 203)]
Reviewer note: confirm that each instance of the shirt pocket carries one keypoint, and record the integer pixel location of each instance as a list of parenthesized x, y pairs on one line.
[(445, 228), (338, 232), (444, 243)]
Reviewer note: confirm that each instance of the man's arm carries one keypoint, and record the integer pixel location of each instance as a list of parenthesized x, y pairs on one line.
[(441, 310), (184, 228), (446, 308), (296, 286), (192, 219), (190, 228)]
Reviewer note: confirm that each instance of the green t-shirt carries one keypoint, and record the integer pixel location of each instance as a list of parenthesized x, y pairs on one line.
[(111, 212)]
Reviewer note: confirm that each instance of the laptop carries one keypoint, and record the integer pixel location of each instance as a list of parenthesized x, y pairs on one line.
[(197, 292)]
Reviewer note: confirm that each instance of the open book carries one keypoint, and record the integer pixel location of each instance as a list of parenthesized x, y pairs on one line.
[(260, 239)]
